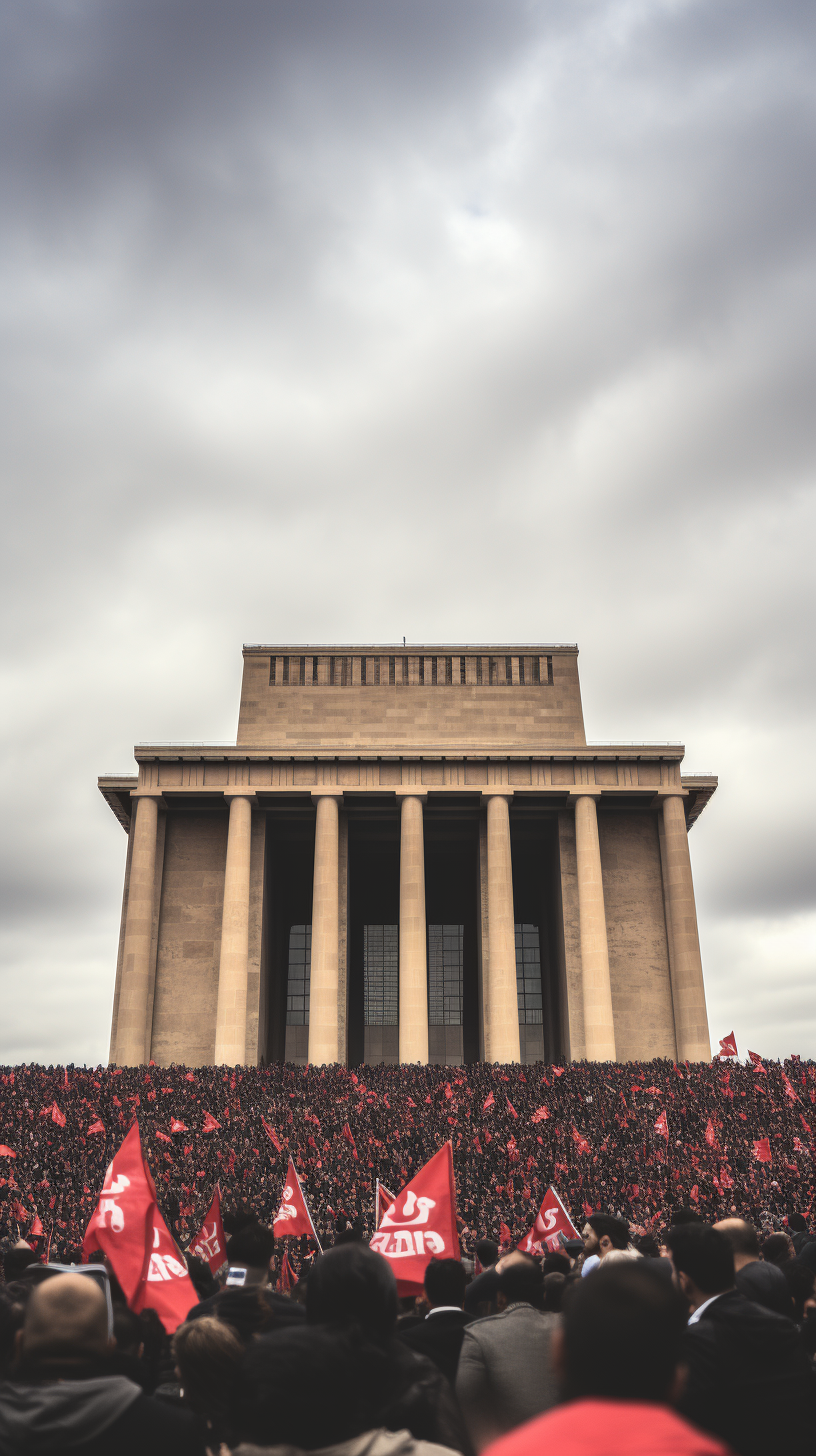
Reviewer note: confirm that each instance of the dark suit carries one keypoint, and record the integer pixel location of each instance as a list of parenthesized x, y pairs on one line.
[(440, 1338), (750, 1381)]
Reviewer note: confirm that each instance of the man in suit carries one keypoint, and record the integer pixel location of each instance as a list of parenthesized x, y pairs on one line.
[(750, 1381), (754, 1278), (439, 1335), (504, 1375), (480, 1296)]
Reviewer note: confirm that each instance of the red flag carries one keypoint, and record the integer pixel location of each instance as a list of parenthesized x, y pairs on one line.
[(119, 1223), (97, 1126), (166, 1286), (580, 1141), (510, 1108), (176, 1126), (798, 1145), (36, 1231), (210, 1243), (57, 1116), (728, 1046), (488, 1102), (662, 1125), (448, 1091), (788, 1086), (348, 1137), (293, 1217), (271, 1134), (541, 1114), (710, 1134), (421, 1223), (210, 1124), (286, 1277), (505, 1236), (383, 1199), (163, 1136), (552, 1221), (755, 1059), (6, 1152), (762, 1150)]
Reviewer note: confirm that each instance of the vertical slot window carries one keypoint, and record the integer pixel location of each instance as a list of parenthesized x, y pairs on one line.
[(299, 975), (528, 975), (445, 965), (381, 974)]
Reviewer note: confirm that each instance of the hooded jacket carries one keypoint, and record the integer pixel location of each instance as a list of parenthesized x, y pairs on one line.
[(372, 1443), (750, 1380), (105, 1413)]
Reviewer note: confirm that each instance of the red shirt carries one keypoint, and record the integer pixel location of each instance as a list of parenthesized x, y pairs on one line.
[(608, 1428)]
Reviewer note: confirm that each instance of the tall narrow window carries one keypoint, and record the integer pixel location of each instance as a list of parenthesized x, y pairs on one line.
[(392, 671), (463, 670), (273, 670), (434, 670), (303, 672), (422, 669), (528, 975), (315, 662), (300, 966), (381, 974), (521, 671), (286, 670), (445, 946), (508, 671), (536, 671), (363, 677), (405, 670)]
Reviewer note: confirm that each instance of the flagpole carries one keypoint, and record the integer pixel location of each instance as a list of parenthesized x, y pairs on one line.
[(308, 1210)]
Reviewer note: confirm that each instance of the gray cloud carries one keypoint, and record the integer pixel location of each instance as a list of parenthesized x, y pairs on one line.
[(369, 320)]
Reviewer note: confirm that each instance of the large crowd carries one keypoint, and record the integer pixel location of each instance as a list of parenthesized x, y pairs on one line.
[(596, 1131)]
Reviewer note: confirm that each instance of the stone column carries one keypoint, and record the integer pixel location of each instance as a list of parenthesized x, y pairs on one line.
[(230, 1016), (413, 953), (132, 1032), (323, 1008), (599, 1029), (688, 993), (501, 935)]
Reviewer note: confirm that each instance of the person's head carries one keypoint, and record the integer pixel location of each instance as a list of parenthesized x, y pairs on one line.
[(445, 1282), (487, 1252), (521, 1282), (800, 1281), (353, 1285), (17, 1260), (66, 1319), (252, 1247), (201, 1277), (647, 1245), (555, 1264), (602, 1232), (743, 1238), (778, 1248), (208, 1356), (621, 1335), (276, 1402), (797, 1223), (703, 1261), (554, 1286)]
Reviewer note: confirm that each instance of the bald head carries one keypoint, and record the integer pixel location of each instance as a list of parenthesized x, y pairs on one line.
[(743, 1238), (66, 1317)]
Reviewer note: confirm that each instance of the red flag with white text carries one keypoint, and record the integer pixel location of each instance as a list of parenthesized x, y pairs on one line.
[(119, 1223), (293, 1217), (383, 1201), (210, 1242), (166, 1286), (552, 1221), (420, 1225)]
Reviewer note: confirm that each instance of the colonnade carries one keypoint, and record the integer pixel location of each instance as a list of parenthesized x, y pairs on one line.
[(500, 1006)]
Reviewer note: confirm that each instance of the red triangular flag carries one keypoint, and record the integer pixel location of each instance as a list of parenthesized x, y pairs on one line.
[(540, 1115), (6, 1152), (505, 1236), (271, 1134), (210, 1242), (347, 1135), (36, 1231), (662, 1125), (421, 1223), (762, 1150), (728, 1046), (756, 1059), (167, 1286), (163, 1136), (210, 1124), (510, 1108), (488, 1102), (293, 1217), (552, 1221), (97, 1126), (57, 1116), (710, 1134), (383, 1200), (118, 1225), (580, 1141), (176, 1126)]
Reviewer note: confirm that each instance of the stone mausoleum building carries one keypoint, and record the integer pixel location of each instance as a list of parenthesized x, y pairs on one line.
[(410, 854)]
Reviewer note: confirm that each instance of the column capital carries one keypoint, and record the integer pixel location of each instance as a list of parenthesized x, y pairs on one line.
[(239, 794), (156, 794), (585, 791), (500, 792), (410, 793), (327, 791)]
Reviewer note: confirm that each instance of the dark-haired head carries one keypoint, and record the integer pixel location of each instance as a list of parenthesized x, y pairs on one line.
[(622, 1333), (487, 1252), (521, 1282), (353, 1285), (309, 1387), (445, 1282), (703, 1260), (252, 1246)]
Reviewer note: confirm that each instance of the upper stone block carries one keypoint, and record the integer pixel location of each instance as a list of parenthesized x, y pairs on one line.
[(479, 698)]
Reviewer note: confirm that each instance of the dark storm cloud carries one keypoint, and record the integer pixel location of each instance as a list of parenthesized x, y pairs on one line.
[(354, 320)]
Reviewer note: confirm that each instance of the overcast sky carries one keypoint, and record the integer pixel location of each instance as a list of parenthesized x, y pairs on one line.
[(460, 321)]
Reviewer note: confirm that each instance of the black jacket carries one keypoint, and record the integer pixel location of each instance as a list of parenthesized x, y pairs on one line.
[(480, 1295), (750, 1381), (92, 1417), (440, 1338)]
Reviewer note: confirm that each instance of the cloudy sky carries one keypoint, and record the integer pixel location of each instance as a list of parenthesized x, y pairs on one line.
[(358, 319)]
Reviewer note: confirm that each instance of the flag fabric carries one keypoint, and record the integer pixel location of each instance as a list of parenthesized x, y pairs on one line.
[(293, 1217), (421, 1223), (383, 1199), (129, 1229), (552, 1221), (541, 1114), (488, 1102), (348, 1137), (789, 1088), (163, 1137), (505, 1236), (728, 1046), (286, 1277), (177, 1126), (710, 1134), (762, 1150), (210, 1242), (271, 1134), (210, 1124), (510, 1108), (36, 1230), (580, 1141), (6, 1152), (662, 1125), (97, 1126), (756, 1059)]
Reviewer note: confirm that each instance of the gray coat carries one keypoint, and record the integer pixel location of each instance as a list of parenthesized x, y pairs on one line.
[(504, 1376)]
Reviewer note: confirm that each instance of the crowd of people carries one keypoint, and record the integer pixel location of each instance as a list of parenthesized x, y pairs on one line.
[(617, 1344), (631, 1138)]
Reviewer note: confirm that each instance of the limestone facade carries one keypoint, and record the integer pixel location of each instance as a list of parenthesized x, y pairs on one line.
[(409, 853)]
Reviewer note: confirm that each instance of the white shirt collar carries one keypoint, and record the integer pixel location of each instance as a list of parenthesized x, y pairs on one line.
[(701, 1308), (443, 1309)]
